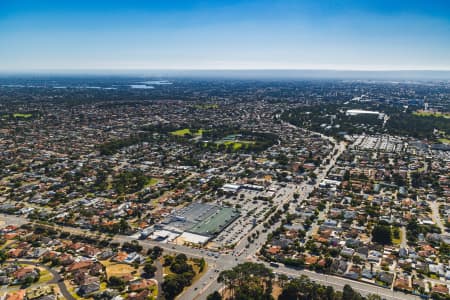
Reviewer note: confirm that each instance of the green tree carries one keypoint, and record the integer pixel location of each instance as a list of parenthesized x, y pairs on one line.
[(149, 269), (349, 294), (3, 256), (381, 234), (214, 296), (116, 282), (172, 286), (248, 281)]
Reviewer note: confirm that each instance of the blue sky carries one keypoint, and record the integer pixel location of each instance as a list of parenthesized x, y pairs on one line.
[(257, 34)]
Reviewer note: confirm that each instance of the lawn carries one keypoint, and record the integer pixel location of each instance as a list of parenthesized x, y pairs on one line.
[(71, 290), (397, 241), (19, 115), (444, 141), (237, 144), (197, 269), (45, 276), (166, 270), (431, 114), (151, 182), (207, 106), (183, 132)]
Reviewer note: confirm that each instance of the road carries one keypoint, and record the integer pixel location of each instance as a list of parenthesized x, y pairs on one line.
[(434, 205), (159, 276), (339, 282), (57, 279), (404, 243)]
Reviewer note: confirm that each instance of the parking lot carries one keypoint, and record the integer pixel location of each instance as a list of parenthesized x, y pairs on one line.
[(253, 210)]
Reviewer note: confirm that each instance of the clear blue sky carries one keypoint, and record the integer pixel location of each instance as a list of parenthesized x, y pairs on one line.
[(256, 34)]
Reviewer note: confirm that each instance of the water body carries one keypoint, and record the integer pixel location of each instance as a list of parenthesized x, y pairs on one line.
[(157, 82), (141, 86)]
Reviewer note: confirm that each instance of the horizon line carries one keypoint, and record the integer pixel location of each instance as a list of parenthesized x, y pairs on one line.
[(223, 69)]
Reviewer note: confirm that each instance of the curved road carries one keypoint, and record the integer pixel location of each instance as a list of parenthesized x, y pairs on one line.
[(57, 279)]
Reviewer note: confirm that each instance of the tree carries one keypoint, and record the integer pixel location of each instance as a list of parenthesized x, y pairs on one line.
[(248, 281), (156, 252), (373, 297), (180, 267), (349, 294), (28, 281), (132, 246), (149, 269), (202, 264), (116, 282), (168, 260), (282, 280), (3, 256), (330, 295), (214, 296), (381, 234), (172, 286)]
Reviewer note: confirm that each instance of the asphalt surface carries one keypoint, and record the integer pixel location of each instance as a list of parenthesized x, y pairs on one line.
[(434, 205), (159, 277)]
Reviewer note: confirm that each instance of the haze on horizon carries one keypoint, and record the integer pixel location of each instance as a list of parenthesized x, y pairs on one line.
[(228, 35)]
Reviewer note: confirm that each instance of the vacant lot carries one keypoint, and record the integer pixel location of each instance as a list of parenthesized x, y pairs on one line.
[(117, 269)]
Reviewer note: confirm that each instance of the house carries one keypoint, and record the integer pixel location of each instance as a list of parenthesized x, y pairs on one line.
[(311, 260), (108, 253), (274, 250), (23, 273), (41, 293), (367, 274), (139, 296), (437, 269), (66, 259), (16, 253), (78, 266), (402, 284), (386, 278), (19, 295), (134, 257), (88, 289), (347, 252), (37, 252), (140, 284), (339, 266), (374, 256), (352, 275), (440, 289)]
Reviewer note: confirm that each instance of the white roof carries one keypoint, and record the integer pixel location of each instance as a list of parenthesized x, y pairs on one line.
[(194, 238)]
